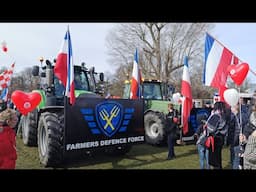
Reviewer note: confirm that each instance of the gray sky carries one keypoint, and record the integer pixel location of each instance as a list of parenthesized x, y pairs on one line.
[(26, 42), (239, 38)]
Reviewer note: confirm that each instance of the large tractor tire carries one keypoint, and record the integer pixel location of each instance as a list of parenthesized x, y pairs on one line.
[(154, 123), (50, 139), (29, 128)]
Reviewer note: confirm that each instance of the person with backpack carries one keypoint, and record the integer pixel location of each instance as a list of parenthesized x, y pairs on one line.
[(217, 129)]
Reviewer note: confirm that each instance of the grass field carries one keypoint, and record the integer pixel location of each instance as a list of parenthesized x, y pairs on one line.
[(141, 156)]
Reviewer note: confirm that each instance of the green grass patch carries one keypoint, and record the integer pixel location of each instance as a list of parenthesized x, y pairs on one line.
[(141, 156)]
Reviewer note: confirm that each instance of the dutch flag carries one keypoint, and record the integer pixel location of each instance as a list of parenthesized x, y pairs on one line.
[(186, 91), (136, 78), (217, 59), (64, 68)]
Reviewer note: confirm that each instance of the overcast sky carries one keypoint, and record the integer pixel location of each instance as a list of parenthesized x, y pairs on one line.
[(26, 42), (240, 38)]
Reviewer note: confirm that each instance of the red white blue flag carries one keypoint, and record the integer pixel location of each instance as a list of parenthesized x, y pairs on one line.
[(64, 68), (136, 78), (217, 59), (5, 77), (187, 96)]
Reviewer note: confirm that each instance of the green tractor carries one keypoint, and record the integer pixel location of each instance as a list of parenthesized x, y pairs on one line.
[(156, 95), (64, 133)]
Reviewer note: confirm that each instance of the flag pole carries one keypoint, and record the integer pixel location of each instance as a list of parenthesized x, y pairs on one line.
[(223, 45), (254, 73), (66, 103)]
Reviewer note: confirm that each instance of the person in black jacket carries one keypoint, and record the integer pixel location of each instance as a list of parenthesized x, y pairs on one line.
[(171, 129), (217, 128)]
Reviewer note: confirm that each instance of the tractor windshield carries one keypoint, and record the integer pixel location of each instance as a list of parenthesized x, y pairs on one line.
[(80, 79), (59, 87), (152, 91), (126, 92)]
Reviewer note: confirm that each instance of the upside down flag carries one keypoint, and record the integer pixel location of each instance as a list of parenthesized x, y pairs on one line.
[(187, 96), (64, 68), (217, 59), (136, 78)]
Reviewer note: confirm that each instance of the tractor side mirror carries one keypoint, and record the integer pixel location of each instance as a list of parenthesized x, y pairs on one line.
[(101, 76), (35, 70)]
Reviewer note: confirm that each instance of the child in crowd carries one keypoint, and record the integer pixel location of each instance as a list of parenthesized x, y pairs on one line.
[(200, 136)]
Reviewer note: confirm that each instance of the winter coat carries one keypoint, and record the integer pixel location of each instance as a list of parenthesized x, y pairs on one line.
[(250, 152), (171, 126), (234, 129), (216, 125), (8, 154), (250, 126)]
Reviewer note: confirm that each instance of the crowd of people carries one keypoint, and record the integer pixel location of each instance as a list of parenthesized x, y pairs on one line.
[(234, 126)]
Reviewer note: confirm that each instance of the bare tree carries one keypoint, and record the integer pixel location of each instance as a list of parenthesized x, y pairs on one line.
[(162, 48)]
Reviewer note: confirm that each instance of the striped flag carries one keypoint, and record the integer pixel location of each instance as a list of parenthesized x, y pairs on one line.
[(217, 59), (64, 68), (187, 96), (136, 78), (5, 77)]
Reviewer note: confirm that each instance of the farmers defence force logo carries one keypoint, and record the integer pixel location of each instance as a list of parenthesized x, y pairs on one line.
[(111, 118)]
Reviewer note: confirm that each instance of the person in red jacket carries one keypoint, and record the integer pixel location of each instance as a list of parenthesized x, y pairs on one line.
[(8, 154)]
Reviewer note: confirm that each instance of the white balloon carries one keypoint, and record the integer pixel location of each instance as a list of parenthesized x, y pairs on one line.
[(176, 97), (231, 96)]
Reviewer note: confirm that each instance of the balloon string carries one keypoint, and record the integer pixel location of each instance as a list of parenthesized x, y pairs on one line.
[(240, 112)]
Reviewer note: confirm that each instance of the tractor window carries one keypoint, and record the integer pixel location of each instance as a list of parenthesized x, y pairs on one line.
[(152, 91), (126, 93), (59, 87), (81, 82)]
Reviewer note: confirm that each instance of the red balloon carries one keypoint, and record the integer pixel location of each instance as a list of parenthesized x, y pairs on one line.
[(238, 72), (25, 102), (5, 49)]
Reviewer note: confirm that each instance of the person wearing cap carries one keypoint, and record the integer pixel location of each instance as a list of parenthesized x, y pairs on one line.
[(8, 153)]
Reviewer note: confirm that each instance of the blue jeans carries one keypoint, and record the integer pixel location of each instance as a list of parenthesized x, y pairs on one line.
[(236, 157), (203, 153)]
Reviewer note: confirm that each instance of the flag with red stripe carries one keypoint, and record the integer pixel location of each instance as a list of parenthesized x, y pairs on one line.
[(136, 78), (217, 60), (187, 96), (64, 68), (5, 77)]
